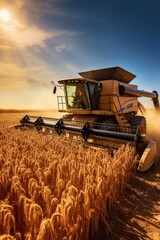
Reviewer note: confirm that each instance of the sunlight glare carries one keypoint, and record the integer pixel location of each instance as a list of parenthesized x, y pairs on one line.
[(5, 15)]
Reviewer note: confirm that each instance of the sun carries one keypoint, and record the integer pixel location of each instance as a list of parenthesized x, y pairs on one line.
[(5, 15)]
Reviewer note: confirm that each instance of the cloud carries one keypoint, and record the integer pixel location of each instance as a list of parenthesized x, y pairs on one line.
[(15, 77), (20, 3), (37, 82), (26, 87), (23, 31), (12, 76), (17, 3), (62, 47), (31, 36), (24, 36), (16, 34)]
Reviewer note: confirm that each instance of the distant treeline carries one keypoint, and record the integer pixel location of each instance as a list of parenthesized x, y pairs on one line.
[(25, 110)]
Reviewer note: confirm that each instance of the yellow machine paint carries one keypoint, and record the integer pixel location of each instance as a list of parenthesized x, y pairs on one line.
[(102, 107)]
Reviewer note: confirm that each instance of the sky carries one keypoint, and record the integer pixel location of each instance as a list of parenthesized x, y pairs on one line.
[(47, 40)]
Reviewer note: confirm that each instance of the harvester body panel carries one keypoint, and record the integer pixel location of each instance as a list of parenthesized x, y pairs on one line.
[(85, 97), (110, 98)]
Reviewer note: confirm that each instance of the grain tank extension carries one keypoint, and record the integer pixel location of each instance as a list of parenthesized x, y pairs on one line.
[(101, 106)]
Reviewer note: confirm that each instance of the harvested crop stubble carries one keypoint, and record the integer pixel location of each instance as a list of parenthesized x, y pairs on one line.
[(54, 189)]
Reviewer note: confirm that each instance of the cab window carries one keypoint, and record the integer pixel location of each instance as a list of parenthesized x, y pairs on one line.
[(94, 95), (76, 96)]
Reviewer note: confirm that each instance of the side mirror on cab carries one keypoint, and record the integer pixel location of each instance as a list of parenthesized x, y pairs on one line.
[(54, 90)]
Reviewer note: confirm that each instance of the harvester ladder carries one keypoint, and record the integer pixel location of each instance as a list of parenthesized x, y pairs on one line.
[(121, 120)]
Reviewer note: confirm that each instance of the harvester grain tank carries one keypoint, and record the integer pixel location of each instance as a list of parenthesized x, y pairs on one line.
[(102, 106)]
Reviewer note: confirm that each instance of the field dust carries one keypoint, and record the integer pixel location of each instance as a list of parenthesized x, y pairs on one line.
[(153, 126), (136, 215)]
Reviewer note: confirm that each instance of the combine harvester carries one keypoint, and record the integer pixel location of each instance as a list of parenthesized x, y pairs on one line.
[(102, 108)]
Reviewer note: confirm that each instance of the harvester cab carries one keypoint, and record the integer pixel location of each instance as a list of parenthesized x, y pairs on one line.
[(102, 106)]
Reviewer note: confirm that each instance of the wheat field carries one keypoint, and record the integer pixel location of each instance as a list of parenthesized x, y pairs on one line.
[(56, 189)]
